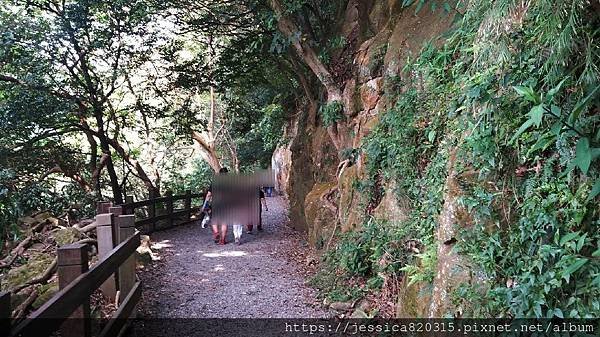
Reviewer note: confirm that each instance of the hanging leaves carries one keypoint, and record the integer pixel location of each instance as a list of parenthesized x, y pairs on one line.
[(583, 156)]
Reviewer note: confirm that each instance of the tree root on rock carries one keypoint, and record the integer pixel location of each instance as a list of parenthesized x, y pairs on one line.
[(48, 273), (16, 252), (22, 309)]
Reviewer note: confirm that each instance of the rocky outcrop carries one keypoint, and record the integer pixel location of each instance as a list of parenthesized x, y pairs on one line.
[(67, 235), (413, 300), (280, 164), (34, 268), (391, 209), (351, 202), (321, 213), (388, 35), (452, 268), (321, 179)]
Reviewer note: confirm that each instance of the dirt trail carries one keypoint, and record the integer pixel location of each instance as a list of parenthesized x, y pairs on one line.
[(196, 278)]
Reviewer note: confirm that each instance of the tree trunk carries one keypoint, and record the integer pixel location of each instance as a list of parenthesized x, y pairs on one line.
[(105, 147), (140, 172), (313, 104), (338, 132), (208, 153), (114, 179), (289, 28)]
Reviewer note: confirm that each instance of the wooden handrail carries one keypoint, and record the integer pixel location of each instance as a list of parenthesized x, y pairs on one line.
[(50, 315), (119, 318), (147, 202), (168, 200)]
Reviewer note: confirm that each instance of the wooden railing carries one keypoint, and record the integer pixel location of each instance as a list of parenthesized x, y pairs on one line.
[(157, 213), (114, 274)]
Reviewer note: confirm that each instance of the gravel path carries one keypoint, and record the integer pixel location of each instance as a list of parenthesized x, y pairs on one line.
[(262, 278)]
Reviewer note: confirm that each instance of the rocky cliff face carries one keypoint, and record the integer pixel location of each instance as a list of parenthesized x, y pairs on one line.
[(319, 181), (471, 188)]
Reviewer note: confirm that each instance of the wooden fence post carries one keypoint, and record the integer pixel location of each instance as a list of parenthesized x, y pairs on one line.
[(102, 207), (152, 209), (126, 225), (188, 204), (5, 312), (72, 262), (104, 233), (117, 211), (169, 208)]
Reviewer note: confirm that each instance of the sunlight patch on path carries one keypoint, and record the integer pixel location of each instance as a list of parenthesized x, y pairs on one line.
[(233, 253), (161, 245)]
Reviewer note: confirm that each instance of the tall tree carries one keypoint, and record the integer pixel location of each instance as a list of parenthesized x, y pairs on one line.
[(87, 48)]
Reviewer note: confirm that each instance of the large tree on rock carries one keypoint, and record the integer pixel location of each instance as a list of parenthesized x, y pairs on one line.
[(295, 24)]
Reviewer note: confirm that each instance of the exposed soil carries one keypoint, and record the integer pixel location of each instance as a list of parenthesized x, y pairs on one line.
[(264, 277)]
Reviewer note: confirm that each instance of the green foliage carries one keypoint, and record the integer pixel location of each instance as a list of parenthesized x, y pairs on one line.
[(334, 285), (425, 271), (17, 200), (197, 180), (547, 259), (271, 125), (331, 46), (367, 254), (395, 152), (446, 5), (9, 211), (584, 153), (376, 59), (516, 125), (331, 112), (532, 236)]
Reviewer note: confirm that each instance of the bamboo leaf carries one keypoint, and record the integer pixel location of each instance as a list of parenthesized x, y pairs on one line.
[(595, 190), (527, 92), (583, 155), (555, 90), (558, 313), (522, 129), (568, 237), (582, 104), (574, 267), (536, 114)]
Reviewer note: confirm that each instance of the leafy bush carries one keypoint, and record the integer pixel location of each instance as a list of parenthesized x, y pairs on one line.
[(331, 113)]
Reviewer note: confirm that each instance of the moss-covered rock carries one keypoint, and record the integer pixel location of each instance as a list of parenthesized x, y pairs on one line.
[(391, 208), (144, 253), (45, 292), (413, 300), (66, 236), (352, 203), (321, 219), (35, 267)]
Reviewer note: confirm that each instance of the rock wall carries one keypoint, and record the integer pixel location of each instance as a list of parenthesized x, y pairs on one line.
[(321, 187), (388, 35), (443, 126)]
